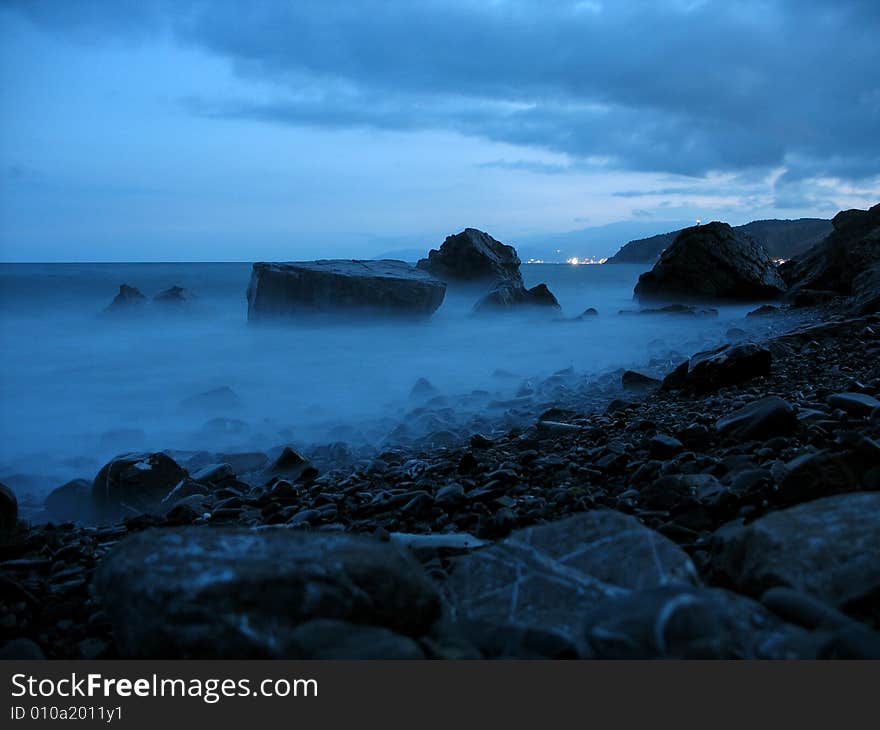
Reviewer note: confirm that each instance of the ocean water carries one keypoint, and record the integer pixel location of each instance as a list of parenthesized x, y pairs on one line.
[(77, 388)]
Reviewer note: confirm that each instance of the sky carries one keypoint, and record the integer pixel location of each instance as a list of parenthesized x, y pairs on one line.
[(145, 130)]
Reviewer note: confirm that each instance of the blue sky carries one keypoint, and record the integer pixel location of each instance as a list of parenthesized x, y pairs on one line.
[(193, 130)]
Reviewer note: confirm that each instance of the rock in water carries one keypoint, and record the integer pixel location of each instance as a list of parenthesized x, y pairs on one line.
[(473, 256), (135, 483), (549, 576), (828, 548), (176, 296), (712, 262), (71, 502), (8, 511), (510, 295), (235, 593), (761, 419), (385, 287), (128, 299), (846, 262)]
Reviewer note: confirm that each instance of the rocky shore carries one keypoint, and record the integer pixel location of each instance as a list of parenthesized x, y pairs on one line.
[(742, 520), (721, 506)]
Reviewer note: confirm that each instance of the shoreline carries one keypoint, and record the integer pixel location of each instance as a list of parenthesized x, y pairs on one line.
[(567, 463)]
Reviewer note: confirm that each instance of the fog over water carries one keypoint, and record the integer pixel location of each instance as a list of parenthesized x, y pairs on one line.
[(77, 388)]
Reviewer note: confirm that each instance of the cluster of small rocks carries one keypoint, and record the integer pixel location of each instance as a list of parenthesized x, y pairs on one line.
[(729, 509)]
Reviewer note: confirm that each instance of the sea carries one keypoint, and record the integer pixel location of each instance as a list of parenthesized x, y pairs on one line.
[(78, 387)]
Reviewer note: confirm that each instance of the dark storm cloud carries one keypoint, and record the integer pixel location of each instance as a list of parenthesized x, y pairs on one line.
[(674, 86)]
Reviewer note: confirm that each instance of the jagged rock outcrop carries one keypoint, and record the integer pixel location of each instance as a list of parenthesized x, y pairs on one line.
[(473, 255), (783, 239), (712, 262), (846, 262), (282, 290), (128, 299)]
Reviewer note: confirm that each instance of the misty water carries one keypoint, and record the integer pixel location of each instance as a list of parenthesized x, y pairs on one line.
[(77, 388)]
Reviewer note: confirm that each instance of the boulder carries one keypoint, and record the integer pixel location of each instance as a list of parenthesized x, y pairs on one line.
[(633, 380), (828, 548), (681, 310), (683, 622), (726, 365), (843, 468), (513, 295), (846, 262), (128, 299), (760, 419), (8, 512), (764, 310), (855, 404), (135, 483), (176, 296), (233, 593), (283, 290), (473, 256), (71, 502), (712, 261), (547, 577)]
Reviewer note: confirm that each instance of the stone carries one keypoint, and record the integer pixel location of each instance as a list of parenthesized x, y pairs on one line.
[(175, 296), (632, 380), (682, 622), (8, 512), (329, 639), (423, 389), (678, 492), (285, 290), (760, 419), (548, 576), (291, 465), (662, 446), (588, 313), (233, 593), (712, 261), (727, 365), (855, 404), (473, 255), (213, 473), (450, 496), (764, 310), (828, 548), (134, 483), (507, 295), (71, 502), (828, 471), (847, 262), (128, 299), (217, 401), (21, 649)]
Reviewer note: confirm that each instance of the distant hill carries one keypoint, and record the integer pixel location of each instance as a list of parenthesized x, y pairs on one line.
[(783, 239)]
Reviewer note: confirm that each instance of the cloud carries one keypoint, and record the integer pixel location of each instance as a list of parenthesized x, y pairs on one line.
[(670, 86)]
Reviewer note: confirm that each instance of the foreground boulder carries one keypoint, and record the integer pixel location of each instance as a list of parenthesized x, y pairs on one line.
[(547, 577), (473, 255), (384, 287), (727, 365), (828, 548), (513, 295), (685, 622), (135, 483), (234, 593), (712, 262), (128, 299), (846, 262)]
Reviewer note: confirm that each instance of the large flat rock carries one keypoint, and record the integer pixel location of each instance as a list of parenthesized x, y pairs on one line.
[(236, 593), (281, 290), (549, 576)]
